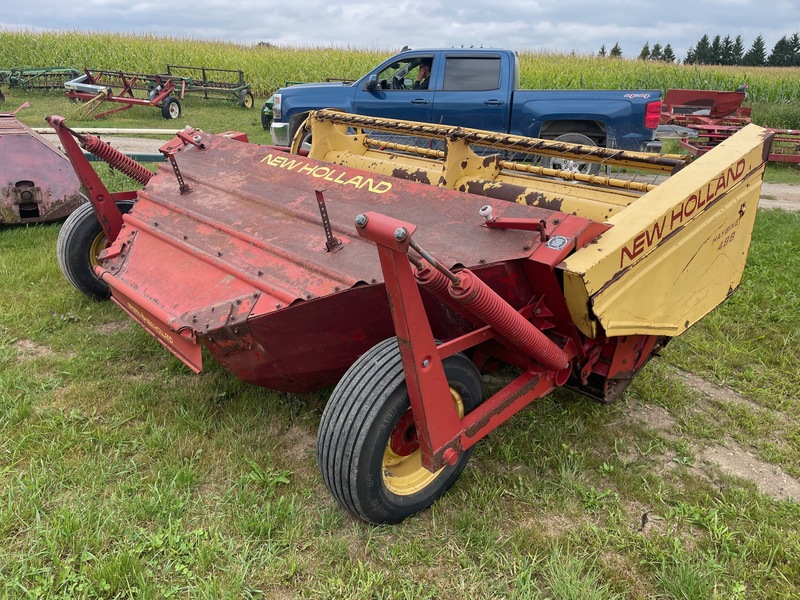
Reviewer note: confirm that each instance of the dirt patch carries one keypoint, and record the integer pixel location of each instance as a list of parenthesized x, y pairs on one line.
[(770, 479), (714, 391), (29, 350), (654, 417), (780, 195), (114, 327), (728, 457), (300, 441)]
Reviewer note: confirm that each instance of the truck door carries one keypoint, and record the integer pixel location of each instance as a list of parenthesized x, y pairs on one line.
[(393, 90), (475, 92)]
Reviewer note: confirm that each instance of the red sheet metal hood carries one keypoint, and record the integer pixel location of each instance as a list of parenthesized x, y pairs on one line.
[(248, 242)]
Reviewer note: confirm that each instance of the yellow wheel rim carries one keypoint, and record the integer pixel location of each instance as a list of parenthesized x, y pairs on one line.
[(403, 473), (99, 244)]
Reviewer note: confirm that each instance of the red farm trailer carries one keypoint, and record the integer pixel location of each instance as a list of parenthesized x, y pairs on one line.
[(713, 116), (96, 86)]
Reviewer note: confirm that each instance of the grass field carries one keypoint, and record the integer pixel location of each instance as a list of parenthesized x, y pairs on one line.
[(123, 475)]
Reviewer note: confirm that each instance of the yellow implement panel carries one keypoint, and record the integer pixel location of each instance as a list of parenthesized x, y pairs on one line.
[(675, 250), (675, 253), (339, 138)]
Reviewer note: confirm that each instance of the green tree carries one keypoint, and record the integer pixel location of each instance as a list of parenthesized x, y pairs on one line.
[(616, 51), (656, 53), (602, 53), (726, 56), (757, 54), (668, 55), (645, 53), (715, 56), (781, 55), (738, 51), (795, 43), (702, 52)]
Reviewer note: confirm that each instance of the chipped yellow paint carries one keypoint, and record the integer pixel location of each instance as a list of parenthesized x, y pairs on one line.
[(339, 138), (677, 252)]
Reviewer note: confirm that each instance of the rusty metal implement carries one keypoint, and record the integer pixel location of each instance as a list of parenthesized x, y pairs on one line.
[(37, 183), (404, 269)]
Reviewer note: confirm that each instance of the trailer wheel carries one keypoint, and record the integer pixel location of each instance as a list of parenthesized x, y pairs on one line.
[(170, 108), (576, 166), (246, 99), (80, 241), (367, 451)]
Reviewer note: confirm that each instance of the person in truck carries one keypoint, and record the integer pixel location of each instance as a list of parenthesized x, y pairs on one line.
[(424, 74)]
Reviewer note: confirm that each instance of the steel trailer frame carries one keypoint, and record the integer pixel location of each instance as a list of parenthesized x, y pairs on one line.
[(95, 86), (204, 84)]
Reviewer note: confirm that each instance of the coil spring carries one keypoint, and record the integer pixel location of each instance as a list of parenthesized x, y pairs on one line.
[(117, 159), (480, 299), (438, 285)]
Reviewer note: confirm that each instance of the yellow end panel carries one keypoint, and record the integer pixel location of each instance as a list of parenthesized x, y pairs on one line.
[(678, 251), (680, 282), (579, 304)]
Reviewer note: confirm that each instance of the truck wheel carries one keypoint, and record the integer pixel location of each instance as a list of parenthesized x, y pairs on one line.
[(303, 145), (367, 449), (80, 242), (575, 166), (170, 108), (246, 99)]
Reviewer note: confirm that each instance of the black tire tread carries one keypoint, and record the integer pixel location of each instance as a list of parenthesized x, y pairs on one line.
[(348, 422), (72, 250)]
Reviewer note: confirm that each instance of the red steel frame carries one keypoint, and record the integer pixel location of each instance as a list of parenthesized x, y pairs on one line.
[(104, 202), (724, 116), (785, 144), (441, 433), (126, 95)]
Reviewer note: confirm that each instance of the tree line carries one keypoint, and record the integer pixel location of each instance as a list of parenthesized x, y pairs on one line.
[(722, 51)]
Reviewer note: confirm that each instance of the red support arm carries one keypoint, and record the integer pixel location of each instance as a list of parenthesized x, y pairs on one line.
[(105, 207), (440, 431)]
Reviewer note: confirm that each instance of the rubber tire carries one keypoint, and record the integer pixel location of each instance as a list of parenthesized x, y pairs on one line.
[(361, 414), (170, 108), (75, 240), (305, 140), (246, 99), (573, 138)]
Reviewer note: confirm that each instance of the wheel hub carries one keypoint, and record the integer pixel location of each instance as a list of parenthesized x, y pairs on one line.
[(403, 473)]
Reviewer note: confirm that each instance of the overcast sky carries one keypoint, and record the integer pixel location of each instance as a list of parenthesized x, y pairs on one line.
[(561, 26)]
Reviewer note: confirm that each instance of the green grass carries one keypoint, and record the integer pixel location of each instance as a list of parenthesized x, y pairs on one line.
[(214, 115), (782, 173), (123, 475), (126, 476)]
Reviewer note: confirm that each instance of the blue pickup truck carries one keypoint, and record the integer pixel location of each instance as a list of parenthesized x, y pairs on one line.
[(477, 88)]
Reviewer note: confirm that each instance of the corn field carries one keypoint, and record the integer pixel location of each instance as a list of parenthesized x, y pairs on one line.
[(268, 67)]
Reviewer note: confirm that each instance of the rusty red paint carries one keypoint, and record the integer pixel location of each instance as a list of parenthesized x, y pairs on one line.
[(37, 183)]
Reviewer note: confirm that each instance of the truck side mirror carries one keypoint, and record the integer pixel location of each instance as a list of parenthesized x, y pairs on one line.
[(372, 82)]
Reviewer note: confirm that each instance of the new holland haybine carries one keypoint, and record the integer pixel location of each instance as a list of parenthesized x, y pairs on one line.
[(402, 269)]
